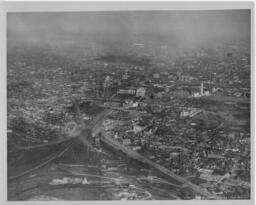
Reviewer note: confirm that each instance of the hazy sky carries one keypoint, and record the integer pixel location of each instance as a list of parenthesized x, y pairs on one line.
[(106, 28)]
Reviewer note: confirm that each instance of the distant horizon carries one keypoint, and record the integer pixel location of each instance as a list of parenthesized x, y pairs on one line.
[(107, 30)]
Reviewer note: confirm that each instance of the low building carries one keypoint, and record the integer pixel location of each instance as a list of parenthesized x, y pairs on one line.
[(217, 90), (207, 93), (126, 142), (156, 75), (167, 88), (185, 77), (190, 112), (140, 92), (130, 91), (158, 95), (196, 95), (130, 104), (210, 177), (137, 128), (125, 76), (112, 104)]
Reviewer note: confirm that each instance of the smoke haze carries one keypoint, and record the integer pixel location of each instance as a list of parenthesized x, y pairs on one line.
[(107, 30)]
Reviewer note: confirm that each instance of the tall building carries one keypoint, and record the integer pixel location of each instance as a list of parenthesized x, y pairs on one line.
[(106, 86), (107, 82)]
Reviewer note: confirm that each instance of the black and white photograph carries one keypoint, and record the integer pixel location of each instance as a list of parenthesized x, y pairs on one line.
[(129, 105)]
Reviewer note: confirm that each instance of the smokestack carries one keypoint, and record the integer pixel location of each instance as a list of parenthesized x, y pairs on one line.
[(202, 89)]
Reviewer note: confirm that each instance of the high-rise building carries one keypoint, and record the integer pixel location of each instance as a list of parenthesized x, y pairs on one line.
[(106, 86)]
